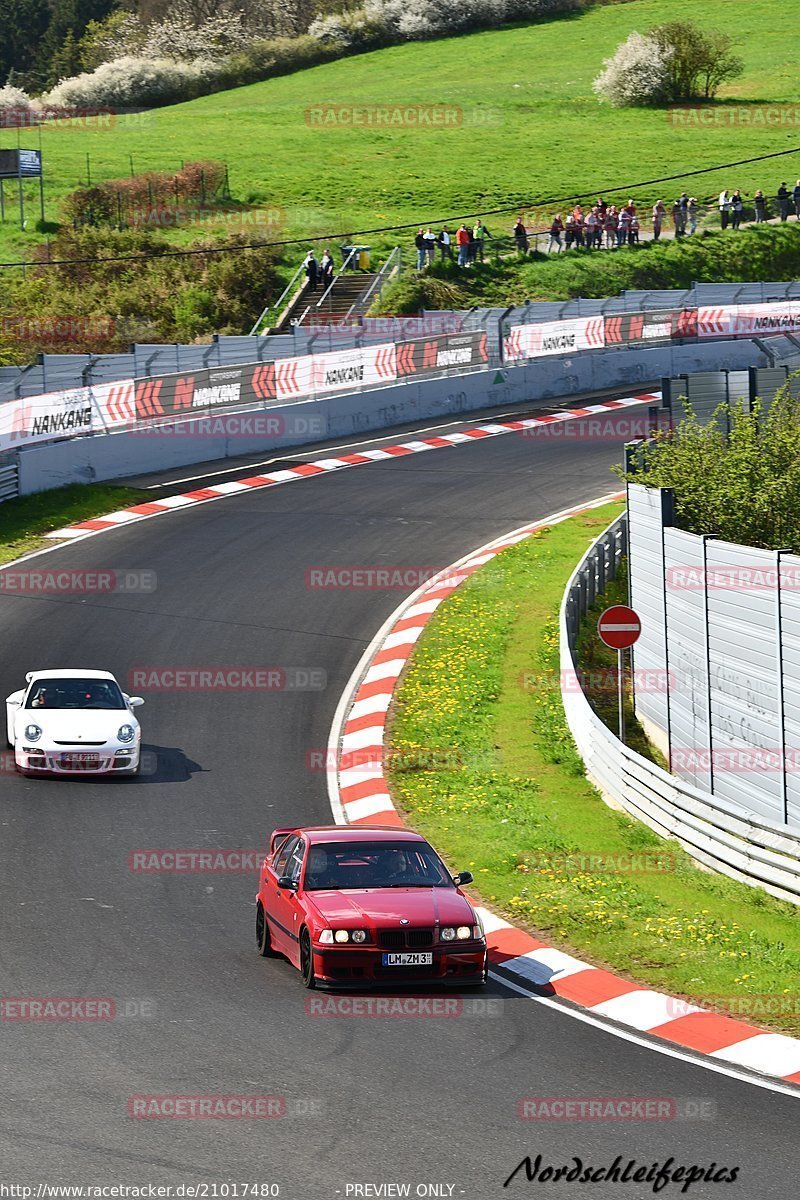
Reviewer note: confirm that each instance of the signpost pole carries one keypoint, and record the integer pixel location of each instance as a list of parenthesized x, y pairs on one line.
[(41, 179), (21, 201), (619, 627)]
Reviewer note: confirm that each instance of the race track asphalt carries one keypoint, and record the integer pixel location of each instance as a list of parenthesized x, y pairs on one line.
[(417, 1101)]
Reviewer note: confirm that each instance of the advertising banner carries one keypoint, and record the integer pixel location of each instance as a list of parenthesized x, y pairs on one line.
[(45, 418), (553, 337), (193, 392), (650, 327), (424, 357), (338, 371)]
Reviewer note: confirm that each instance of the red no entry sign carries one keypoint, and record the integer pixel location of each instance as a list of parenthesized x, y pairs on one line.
[(619, 627)]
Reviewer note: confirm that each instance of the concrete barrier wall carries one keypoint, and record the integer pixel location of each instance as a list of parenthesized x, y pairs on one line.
[(117, 455)]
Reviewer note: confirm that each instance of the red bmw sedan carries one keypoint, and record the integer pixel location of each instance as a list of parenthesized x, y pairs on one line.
[(353, 906)]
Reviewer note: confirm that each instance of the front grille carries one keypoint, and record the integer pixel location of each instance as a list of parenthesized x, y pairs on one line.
[(391, 973), (78, 745), (404, 939)]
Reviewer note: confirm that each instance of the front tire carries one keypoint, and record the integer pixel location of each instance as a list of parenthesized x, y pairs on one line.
[(307, 961), (263, 940)]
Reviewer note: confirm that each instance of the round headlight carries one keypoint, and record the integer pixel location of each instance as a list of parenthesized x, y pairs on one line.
[(126, 733), (32, 733), (341, 935), (447, 935), (358, 935), (464, 933)]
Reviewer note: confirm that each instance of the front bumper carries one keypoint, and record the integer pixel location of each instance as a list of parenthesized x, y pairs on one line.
[(110, 759), (357, 967)]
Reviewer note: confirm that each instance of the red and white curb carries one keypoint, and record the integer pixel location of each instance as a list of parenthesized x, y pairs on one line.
[(360, 794), (219, 491)]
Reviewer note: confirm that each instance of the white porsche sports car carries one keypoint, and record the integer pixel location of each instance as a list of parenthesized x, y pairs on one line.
[(73, 722)]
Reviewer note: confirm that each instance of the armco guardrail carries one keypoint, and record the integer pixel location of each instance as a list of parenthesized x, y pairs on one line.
[(112, 406), (57, 372), (736, 843), (118, 406), (9, 479)]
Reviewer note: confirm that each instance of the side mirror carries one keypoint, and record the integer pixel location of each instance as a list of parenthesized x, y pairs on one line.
[(287, 884), (462, 878), (135, 702)]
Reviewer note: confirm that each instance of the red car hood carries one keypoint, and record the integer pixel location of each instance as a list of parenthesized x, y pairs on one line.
[(422, 907)]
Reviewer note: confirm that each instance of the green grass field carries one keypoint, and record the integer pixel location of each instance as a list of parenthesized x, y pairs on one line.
[(482, 762), (24, 521), (532, 127)]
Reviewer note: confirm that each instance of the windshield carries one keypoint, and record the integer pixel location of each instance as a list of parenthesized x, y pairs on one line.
[(74, 693), (375, 865)]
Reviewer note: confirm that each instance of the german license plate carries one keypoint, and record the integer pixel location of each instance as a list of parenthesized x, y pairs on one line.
[(78, 761), (408, 960)]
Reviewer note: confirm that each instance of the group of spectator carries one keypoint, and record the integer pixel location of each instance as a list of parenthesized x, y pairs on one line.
[(318, 271), (731, 205), (604, 224), (614, 227), (466, 244)]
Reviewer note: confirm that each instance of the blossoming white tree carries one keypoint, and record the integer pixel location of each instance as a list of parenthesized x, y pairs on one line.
[(638, 73)]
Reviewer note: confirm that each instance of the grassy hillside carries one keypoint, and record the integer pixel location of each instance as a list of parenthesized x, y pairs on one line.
[(532, 127)]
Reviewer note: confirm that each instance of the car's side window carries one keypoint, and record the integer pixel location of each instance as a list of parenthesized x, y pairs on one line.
[(296, 862), (283, 855)]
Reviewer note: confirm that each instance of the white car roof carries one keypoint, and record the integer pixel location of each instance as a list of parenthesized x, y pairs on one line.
[(71, 673)]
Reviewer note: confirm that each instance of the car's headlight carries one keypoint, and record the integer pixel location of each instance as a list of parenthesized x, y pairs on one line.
[(326, 937), (32, 733), (448, 934), (358, 936), (126, 733), (341, 936), (464, 933), (477, 933)]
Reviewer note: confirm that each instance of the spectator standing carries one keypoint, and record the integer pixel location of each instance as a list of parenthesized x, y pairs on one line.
[(462, 241), (783, 201), (796, 199), (592, 226), (760, 202), (737, 209), (601, 207), (556, 229), (623, 226), (430, 245), (521, 237), (724, 204), (678, 219), (633, 232), (692, 213), (422, 251), (312, 270), (480, 233), (578, 229), (610, 225), (445, 244), (569, 231), (658, 214), (326, 268)]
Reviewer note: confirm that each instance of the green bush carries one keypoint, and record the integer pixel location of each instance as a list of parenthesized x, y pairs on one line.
[(104, 306), (737, 476)]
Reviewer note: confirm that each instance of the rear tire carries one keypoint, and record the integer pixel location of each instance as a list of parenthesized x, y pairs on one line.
[(307, 961), (263, 941)]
